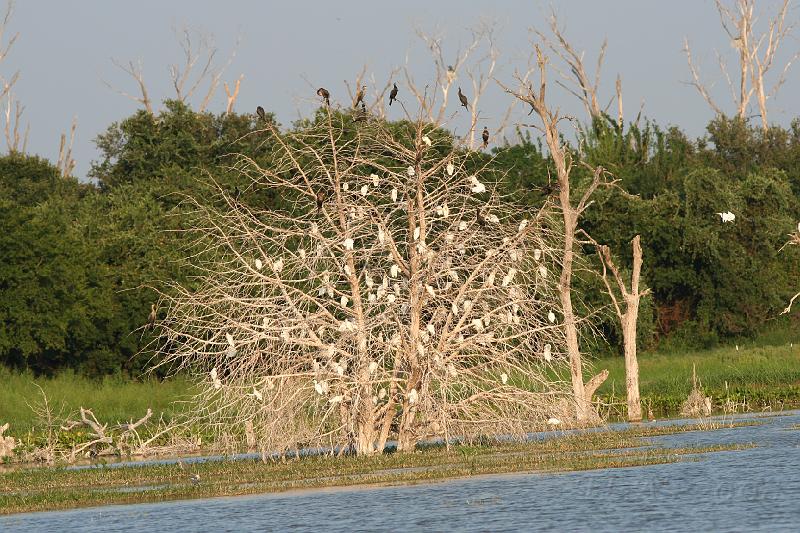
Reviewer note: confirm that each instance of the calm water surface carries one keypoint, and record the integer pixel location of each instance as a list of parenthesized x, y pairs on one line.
[(749, 490)]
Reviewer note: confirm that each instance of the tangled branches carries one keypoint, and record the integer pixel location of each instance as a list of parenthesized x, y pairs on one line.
[(397, 294)]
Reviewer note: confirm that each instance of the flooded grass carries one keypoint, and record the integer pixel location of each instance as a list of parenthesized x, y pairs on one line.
[(43, 489)]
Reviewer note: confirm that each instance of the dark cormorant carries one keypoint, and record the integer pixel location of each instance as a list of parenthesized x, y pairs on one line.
[(393, 94), (479, 217), (323, 92), (485, 137), (320, 200), (463, 98), (261, 113)]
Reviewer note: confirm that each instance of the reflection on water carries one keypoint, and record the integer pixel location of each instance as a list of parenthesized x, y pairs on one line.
[(753, 489)]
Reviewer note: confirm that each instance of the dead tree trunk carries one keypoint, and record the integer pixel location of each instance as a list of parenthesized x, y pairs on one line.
[(571, 213), (628, 318)]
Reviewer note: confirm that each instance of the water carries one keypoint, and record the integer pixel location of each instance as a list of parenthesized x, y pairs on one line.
[(748, 490)]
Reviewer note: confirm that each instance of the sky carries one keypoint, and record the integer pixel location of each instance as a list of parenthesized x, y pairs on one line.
[(286, 49)]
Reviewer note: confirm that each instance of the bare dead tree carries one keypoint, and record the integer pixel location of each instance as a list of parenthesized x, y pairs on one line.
[(399, 296), (627, 311), (199, 48), (794, 240), (16, 142), (136, 72), (478, 70), (755, 55), (562, 160), (14, 109), (584, 88), (232, 95), (66, 164), (198, 67)]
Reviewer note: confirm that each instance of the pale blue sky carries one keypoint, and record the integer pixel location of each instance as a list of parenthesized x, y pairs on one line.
[(65, 48)]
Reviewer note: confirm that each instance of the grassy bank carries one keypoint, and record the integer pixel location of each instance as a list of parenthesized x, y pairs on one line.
[(765, 375), (113, 399), (760, 376), (55, 488)]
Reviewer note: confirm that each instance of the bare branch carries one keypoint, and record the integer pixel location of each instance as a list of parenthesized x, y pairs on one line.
[(231, 96), (66, 164), (136, 72)]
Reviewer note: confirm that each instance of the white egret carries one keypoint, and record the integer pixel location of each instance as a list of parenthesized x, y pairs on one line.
[(345, 186), (364, 190), (381, 236), (537, 254), (215, 379), (543, 271), (410, 171), (257, 395), (381, 393), (477, 186), (523, 224), (391, 298), (462, 225), (416, 233), (431, 329), (553, 421), (450, 169), (373, 366), (547, 353), (344, 300), (551, 316), (727, 216), (348, 243), (394, 270), (229, 338), (259, 264), (426, 140), (374, 179), (394, 195), (504, 378), (277, 266), (412, 396), (430, 291)]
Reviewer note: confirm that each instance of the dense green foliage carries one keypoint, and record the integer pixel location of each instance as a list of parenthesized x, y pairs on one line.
[(80, 261)]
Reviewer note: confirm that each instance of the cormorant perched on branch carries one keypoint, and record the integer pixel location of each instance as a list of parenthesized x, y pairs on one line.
[(479, 217), (463, 98), (549, 188), (360, 116), (261, 114), (360, 95), (485, 137), (236, 193), (393, 94), (323, 92), (320, 200), (151, 320)]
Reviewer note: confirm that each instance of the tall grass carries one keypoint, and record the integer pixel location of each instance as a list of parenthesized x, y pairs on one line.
[(759, 375), (113, 399)]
